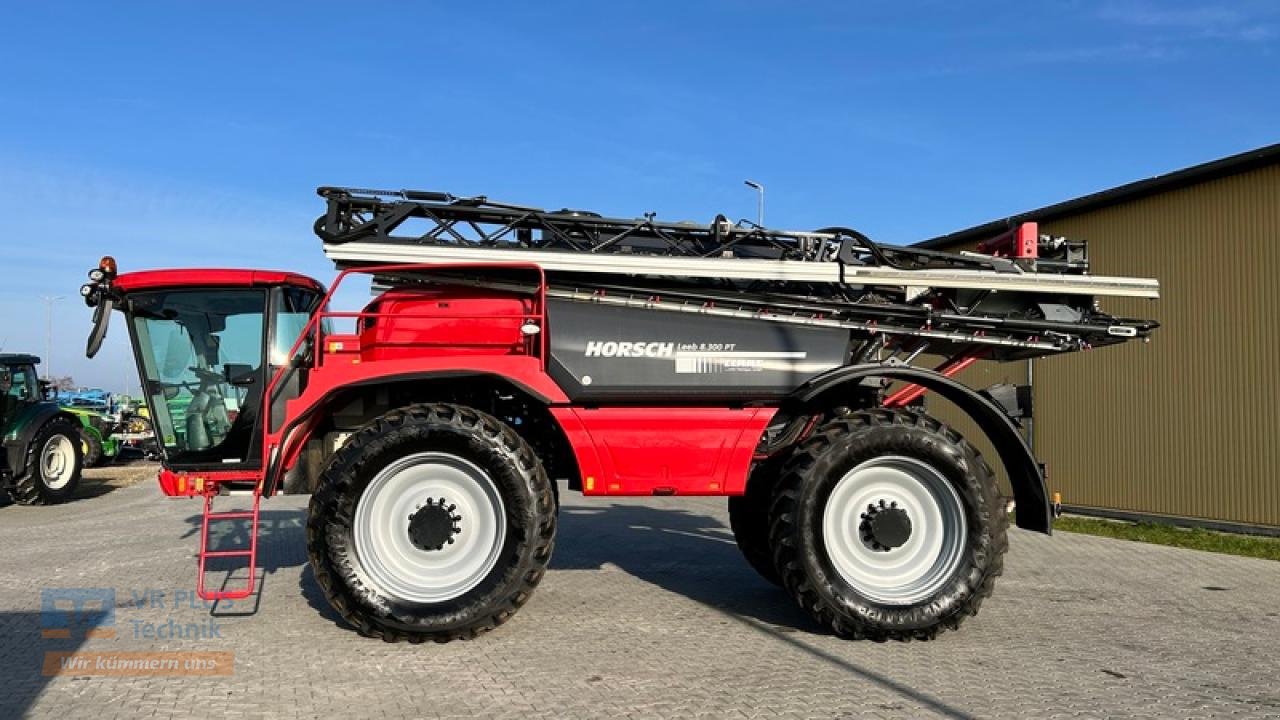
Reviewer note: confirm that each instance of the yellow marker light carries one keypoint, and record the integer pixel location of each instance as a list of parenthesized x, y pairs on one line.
[(591, 483), (1057, 498)]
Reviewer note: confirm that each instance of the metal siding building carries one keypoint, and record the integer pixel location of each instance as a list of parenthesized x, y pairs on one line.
[(1188, 426)]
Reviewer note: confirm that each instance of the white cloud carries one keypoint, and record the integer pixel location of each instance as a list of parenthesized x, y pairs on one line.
[(1235, 22)]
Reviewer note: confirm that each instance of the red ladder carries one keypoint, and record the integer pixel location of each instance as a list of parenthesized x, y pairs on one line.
[(205, 553)]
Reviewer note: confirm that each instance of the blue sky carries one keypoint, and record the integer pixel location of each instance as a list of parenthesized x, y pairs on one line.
[(194, 134)]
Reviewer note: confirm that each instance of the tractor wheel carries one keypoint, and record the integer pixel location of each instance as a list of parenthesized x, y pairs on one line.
[(53, 465), (749, 520), (887, 525), (433, 522), (91, 447)]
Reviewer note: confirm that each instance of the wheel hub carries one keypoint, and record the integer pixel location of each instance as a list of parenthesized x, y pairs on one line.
[(885, 526), (57, 462), (444, 498), (894, 528), (433, 525)]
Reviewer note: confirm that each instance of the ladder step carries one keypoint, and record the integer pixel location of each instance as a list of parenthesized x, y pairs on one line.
[(232, 515), (206, 554), (228, 594)]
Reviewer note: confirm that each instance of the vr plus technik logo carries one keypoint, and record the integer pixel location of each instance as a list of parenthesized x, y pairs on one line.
[(76, 613)]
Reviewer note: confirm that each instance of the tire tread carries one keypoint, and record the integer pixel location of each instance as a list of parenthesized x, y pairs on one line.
[(336, 482), (786, 500)]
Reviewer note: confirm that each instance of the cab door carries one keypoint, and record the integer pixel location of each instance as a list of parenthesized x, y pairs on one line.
[(201, 354)]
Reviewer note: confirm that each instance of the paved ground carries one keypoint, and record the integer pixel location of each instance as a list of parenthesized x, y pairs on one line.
[(648, 612)]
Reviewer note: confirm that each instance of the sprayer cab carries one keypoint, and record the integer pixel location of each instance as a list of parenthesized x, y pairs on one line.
[(204, 341)]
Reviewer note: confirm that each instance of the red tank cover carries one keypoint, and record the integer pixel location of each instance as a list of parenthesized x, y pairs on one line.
[(409, 323)]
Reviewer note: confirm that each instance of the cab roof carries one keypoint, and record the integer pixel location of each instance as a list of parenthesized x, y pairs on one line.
[(210, 277), (18, 359)]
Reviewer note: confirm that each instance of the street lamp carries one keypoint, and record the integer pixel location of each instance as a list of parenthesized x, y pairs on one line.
[(49, 300), (760, 208)]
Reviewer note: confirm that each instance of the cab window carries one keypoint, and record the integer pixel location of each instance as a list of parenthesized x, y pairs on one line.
[(18, 387), (22, 384), (293, 311)]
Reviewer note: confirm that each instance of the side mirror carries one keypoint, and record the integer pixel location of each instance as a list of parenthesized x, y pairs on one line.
[(101, 319), (47, 390)]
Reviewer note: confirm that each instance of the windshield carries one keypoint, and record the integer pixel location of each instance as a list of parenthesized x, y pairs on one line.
[(201, 354)]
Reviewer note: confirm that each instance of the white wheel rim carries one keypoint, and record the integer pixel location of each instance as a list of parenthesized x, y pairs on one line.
[(57, 462), (922, 564), (403, 570)]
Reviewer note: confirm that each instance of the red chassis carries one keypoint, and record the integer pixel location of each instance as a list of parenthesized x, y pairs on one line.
[(630, 450)]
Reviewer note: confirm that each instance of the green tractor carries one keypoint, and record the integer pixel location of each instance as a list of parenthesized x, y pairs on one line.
[(42, 443), (98, 444)]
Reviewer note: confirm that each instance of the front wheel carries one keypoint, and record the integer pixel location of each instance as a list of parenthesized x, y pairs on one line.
[(888, 525), (433, 522), (91, 448), (54, 461)]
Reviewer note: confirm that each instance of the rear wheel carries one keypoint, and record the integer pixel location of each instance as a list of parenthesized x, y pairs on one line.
[(54, 461), (91, 447), (888, 525), (432, 522), (749, 520)]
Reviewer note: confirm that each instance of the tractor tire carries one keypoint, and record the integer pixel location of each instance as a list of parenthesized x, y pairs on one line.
[(432, 522), (749, 520), (887, 525), (53, 464), (91, 447)]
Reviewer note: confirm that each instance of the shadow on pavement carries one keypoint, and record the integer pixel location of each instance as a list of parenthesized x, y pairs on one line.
[(315, 598), (281, 544), (695, 556), (683, 552), (22, 656), (89, 489)]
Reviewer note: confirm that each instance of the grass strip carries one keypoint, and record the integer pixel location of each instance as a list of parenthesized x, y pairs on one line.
[(1257, 546)]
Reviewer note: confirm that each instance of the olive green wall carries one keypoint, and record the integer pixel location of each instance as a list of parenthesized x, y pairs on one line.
[(1187, 425)]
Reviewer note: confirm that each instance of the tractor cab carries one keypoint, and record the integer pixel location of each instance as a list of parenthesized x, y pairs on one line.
[(19, 387), (206, 343)]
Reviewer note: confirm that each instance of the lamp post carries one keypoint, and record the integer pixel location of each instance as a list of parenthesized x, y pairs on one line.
[(760, 207), (49, 300)]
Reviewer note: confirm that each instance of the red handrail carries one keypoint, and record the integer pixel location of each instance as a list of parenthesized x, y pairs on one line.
[(314, 326)]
